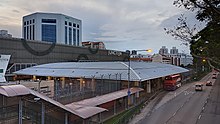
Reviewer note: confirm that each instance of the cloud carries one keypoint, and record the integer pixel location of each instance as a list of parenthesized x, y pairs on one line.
[(121, 24)]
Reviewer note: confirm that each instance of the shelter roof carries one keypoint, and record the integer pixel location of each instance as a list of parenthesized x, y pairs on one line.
[(20, 90), (95, 101), (139, 71)]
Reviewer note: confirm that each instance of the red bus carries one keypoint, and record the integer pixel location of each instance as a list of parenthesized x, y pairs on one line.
[(172, 82)]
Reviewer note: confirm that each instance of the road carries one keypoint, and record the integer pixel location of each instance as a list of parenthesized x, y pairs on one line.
[(188, 106)]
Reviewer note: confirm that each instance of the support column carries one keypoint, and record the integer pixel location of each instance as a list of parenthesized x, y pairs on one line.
[(39, 86), (148, 86), (20, 112), (42, 113), (115, 107), (100, 117), (66, 118), (81, 84)]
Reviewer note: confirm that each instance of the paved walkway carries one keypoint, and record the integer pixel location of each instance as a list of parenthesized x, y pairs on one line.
[(162, 99)]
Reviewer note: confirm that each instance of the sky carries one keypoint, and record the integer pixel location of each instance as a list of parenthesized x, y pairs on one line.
[(120, 24)]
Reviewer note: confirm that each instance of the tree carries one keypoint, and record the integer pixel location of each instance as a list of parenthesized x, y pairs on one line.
[(204, 44)]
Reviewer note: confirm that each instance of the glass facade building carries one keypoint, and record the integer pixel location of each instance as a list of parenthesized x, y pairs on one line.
[(52, 27)]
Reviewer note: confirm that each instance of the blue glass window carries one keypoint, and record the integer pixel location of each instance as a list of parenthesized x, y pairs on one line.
[(70, 36), (77, 37), (74, 36), (65, 35), (49, 33)]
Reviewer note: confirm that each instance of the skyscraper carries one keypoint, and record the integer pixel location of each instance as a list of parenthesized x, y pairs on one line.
[(174, 50), (163, 50), (52, 27)]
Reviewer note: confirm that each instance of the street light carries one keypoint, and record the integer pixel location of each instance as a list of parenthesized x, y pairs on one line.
[(129, 69)]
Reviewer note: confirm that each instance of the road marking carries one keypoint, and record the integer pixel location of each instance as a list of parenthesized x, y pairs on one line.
[(203, 108), (199, 116), (174, 114)]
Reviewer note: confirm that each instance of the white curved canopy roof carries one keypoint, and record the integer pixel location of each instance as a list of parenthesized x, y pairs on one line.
[(139, 71)]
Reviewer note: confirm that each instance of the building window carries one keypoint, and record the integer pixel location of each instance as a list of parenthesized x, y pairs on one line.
[(49, 33), (65, 22), (48, 20), (24, 23), (74, 25), (30, 21), (33, 21), (65, 35), (30, 32), (70, 36), (27, 22), (25, 33), (33, 32), (77, 37), (70, 24), (77, 26), (74, 36), (1, 70)]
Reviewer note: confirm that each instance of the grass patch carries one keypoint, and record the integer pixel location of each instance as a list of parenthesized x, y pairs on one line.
[(125, 115), (115, 118)]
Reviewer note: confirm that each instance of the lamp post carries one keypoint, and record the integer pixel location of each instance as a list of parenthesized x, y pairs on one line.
[(129, 70)]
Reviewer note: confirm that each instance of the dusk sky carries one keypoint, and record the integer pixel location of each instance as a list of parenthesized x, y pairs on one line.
[(120, 24)]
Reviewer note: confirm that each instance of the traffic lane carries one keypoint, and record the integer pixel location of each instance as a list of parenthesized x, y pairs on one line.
[(163, 113), (211, 112), (190, 111), (167, 110)]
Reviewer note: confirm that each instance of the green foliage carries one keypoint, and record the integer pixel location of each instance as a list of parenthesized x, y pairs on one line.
[(204, 44)]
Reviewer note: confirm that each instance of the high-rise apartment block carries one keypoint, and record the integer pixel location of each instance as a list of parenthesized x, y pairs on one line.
[(174, 50), (52, 27), (163, 50)]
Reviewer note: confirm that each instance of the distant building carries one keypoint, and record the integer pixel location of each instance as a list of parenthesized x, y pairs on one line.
[(163, 50), (140, 57), (161, 59), (5, 34), (174, 57), (174, 50), (52, 27), (94, 45)]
